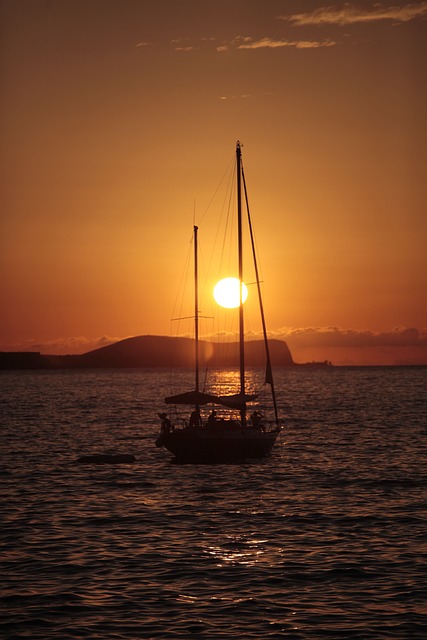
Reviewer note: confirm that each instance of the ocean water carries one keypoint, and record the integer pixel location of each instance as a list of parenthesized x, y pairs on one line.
[(324, 539)]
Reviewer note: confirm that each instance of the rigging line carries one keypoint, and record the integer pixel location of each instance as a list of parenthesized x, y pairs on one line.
[(269, 373), (178, 305), (230, 217), (183, 281), (217, 189), (225, 206), (190, 318), (224, 224), (228, 224), (205, 296), (202, 280)]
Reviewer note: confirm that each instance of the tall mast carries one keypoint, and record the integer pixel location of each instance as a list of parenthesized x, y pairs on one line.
[(196, 308), (240, 257)]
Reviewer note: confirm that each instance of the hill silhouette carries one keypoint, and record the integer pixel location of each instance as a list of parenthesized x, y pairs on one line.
[(161, 351), (153, 351)]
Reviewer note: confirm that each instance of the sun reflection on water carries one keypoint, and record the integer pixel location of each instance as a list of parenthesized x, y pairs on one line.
[(227, 381), (238, 550)]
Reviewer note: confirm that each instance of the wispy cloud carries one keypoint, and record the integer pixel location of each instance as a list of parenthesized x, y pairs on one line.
[(401, 345), (243, 96), (269, 43), (349, 14), (339, 337), (188, 48), (61, 346), (345, 338), (246, 42), (183, 44)]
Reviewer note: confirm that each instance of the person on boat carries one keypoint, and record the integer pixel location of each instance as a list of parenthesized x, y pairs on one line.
[(166, 426), (256, 419), (195, 418), (212, 418)]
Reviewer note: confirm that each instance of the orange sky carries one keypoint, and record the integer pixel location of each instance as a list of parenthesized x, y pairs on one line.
[(118, 115)]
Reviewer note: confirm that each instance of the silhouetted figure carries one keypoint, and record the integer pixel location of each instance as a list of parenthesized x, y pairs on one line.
[(212, 418), (256, 419), (195, 419), (166, 426)]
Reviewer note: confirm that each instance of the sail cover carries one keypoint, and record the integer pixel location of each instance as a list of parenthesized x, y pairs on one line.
[(191, 397), (236, 401)]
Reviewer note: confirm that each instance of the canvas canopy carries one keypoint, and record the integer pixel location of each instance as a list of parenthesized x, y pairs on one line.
[(236, 401)]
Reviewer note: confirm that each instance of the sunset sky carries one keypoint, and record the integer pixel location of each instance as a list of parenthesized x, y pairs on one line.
[(118, 119)]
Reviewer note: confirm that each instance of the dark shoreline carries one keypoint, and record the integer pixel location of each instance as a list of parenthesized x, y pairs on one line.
[(157, 352)]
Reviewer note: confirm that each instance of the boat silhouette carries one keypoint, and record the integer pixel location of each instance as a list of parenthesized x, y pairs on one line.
[(230, 438)]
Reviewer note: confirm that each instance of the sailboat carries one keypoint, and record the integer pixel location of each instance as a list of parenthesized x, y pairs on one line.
[(224, 439)]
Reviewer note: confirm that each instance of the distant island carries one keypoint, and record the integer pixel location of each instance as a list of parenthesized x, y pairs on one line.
[(157, 352)]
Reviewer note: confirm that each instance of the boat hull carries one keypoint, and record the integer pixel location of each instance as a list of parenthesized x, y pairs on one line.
[(219, 445)]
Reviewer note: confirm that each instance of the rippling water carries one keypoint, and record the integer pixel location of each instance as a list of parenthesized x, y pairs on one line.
[(325, 539)]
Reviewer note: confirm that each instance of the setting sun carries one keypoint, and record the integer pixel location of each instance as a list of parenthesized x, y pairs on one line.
[(226, 293)]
